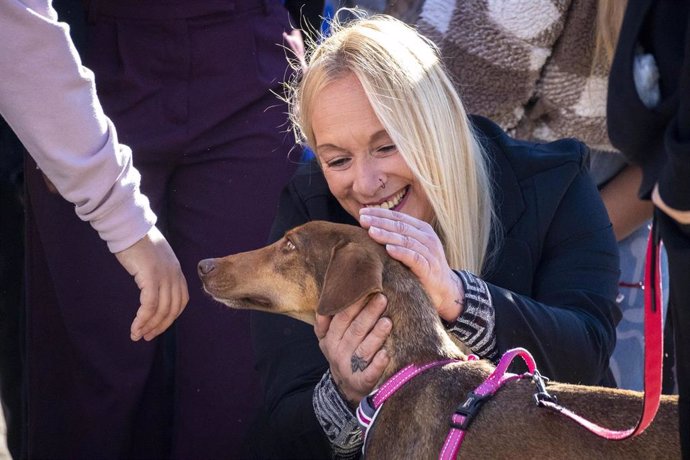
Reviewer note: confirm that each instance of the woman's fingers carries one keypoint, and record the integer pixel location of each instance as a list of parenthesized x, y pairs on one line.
[(364, 353), (351, 324), (391, 227), (363, 322), (416, 244), (321, 326), (408, 240), (392, 216), (352, 342)]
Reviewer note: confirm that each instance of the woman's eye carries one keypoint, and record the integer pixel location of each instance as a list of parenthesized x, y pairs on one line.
[(338, 163), (386, 150)]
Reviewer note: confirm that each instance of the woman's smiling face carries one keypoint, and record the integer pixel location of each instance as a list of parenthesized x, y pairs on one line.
[(358, 156)]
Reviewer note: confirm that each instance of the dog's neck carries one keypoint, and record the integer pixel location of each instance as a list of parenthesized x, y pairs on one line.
[(417, 335)]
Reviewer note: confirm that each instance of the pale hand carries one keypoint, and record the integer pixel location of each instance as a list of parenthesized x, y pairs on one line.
[(415, 243), (163, 288), (352, 342)]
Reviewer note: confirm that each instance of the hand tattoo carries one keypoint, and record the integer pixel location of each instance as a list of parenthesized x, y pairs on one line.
[(358, 363)]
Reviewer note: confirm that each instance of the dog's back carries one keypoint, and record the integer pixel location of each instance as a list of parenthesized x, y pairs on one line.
[(414, 423)]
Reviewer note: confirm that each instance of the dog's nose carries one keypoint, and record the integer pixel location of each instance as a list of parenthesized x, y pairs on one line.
[(206, 266)]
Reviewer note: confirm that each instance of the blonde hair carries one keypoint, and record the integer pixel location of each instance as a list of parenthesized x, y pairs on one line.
[(416, 102), (607, 27)]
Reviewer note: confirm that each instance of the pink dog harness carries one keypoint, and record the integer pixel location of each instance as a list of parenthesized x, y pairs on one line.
[(465, 412), (369, 407)]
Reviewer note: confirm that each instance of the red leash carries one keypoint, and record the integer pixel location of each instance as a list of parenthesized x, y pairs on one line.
[(653, 352), (463, 415)]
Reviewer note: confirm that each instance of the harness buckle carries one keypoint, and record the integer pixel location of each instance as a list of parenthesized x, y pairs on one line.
[(365, 412), (469, 410), (541, 394)]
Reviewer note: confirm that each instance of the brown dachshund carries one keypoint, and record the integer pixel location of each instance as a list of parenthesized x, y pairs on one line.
[(326, 267)]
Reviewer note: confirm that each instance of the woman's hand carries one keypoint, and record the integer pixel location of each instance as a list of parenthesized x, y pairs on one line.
[(415, 243), (352, 342)]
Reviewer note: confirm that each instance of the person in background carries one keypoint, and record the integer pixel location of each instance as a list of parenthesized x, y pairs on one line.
[(49, 100), (190, 86), (534, 261), (117, 400), (405, 10), (540, 70), (649, 121)]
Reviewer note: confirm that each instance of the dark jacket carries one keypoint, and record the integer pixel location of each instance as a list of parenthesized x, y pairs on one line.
[(553, 280), (656, 138)]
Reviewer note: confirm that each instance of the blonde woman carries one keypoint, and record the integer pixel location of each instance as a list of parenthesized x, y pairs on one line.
[(509, 238)]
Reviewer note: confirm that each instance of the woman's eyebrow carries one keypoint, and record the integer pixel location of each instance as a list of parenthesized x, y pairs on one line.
[(328, 146), (380, 136)]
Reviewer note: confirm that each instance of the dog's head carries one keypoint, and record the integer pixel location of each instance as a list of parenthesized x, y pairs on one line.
[(319, 266)]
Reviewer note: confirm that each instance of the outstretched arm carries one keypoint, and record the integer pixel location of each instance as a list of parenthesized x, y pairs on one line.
[(49, 99)]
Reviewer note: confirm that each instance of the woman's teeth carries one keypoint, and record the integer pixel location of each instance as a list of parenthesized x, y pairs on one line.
[(393, 202)]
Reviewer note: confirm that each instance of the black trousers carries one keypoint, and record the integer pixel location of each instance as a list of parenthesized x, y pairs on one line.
[(676, 239), (11, 286)]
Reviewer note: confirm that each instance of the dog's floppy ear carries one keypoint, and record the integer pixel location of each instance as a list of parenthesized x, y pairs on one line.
[(352, 274)]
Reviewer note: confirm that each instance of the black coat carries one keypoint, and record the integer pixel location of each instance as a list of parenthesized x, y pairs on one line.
[(658, 139), (553, 281)]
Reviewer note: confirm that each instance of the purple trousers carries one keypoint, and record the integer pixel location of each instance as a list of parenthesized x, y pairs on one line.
[(188, 85)]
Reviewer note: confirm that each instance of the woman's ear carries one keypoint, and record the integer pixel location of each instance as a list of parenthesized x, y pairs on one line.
[(353, 274)]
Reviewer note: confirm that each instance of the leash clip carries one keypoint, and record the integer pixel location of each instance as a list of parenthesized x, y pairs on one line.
[(541, 394), (468, 410)]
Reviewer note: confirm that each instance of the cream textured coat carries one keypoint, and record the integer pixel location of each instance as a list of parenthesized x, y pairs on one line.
[(525, 64)]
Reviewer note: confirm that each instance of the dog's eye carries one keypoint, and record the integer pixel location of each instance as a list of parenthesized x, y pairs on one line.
[(289, 246)]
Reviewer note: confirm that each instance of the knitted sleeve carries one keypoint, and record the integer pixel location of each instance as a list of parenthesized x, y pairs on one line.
[(336, 419), (476, 326)]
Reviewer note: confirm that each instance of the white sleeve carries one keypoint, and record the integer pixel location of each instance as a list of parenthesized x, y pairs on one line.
[(49, 99)]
